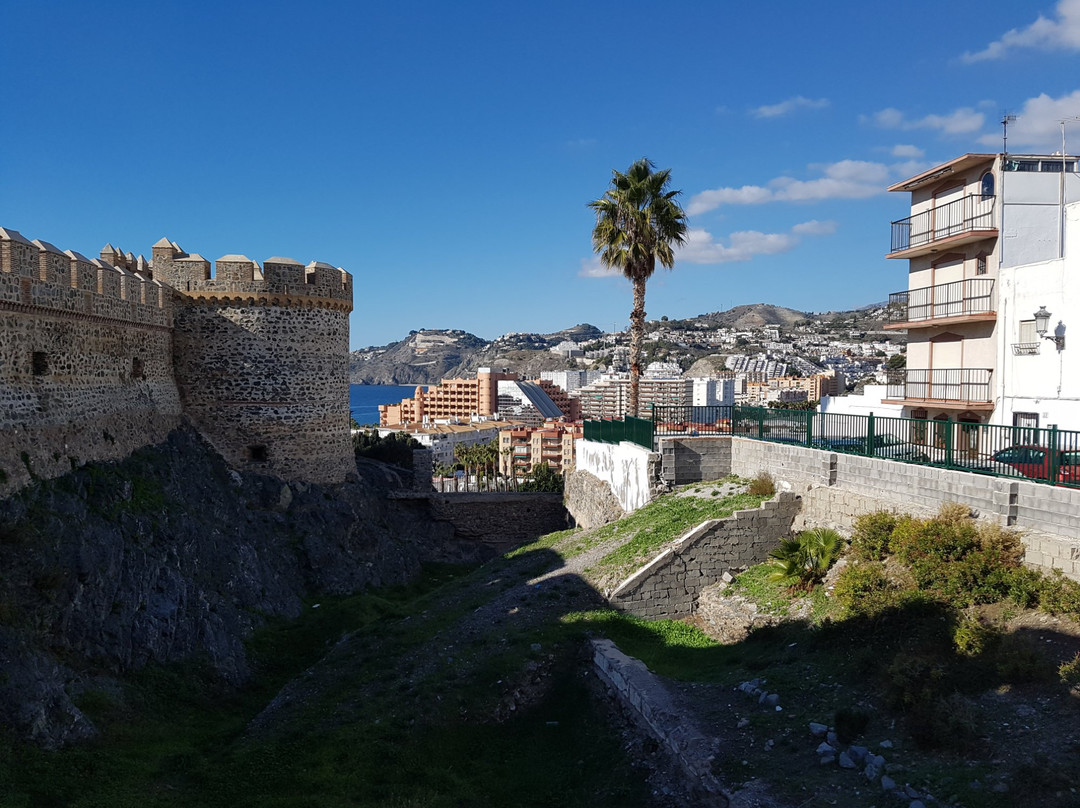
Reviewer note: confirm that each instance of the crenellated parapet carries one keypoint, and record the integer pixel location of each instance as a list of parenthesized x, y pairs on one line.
[(237, 280), (38, 276)]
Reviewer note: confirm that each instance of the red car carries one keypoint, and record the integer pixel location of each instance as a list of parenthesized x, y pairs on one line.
[(1034, 462)]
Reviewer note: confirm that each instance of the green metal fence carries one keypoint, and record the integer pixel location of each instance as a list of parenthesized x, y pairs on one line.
[(609, 430), (1042, 454)]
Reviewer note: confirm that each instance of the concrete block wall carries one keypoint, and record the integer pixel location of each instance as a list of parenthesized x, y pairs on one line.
[(668, 586), (689, 460), (837, 488)]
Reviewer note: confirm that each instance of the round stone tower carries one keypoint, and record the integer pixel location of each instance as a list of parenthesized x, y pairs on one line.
[(262, 360)]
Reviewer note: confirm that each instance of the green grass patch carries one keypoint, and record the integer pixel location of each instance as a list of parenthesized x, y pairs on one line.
[(648, 529)]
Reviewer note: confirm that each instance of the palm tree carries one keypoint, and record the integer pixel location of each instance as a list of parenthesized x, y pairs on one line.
[(638, 222)]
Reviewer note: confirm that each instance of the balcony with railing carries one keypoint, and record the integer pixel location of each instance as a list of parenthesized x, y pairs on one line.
[(969, 300), (947, 388), (968, 219)]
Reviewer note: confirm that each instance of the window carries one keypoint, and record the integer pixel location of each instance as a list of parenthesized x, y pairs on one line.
[(980, 265), (1027, 332), (1025, 427), (987, 185), (40, 363), (258, 454), (136, 368)]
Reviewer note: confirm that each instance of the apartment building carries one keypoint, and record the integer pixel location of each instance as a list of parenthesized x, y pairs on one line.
[(532, 403), (450, 399), (610, 396), (552, 443), (985, 240), (444, 438)]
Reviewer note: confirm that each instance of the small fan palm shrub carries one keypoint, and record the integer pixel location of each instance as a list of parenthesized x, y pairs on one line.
[(803, 561)]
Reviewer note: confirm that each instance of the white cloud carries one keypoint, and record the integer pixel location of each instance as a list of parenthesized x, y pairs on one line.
[(592, 268), (702, 247), (788, 106), (1060, 33), (847, 179), (962, 121), (903, 150), (1038, 124), (814, 228)]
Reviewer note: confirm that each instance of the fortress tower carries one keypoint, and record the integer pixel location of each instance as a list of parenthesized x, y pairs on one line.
[(261, 360)]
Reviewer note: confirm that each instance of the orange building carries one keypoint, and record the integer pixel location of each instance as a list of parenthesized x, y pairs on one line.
[(464, 398), (451, 398), (552, 444)]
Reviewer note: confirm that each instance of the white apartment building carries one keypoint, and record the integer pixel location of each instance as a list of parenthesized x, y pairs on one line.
[(713, 392), (986, 245)]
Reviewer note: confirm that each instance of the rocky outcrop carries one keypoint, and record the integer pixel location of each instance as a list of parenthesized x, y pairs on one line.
[(590, 500), (170, 555)]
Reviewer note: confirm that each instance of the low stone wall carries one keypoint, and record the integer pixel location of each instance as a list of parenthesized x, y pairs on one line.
[(498, 521), (630, 470), (668, 586), (590, 500), (654, 711)]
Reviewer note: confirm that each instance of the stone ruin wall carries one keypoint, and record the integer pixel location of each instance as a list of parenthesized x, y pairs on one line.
[(99, 357), (85, 360), (262, 361)]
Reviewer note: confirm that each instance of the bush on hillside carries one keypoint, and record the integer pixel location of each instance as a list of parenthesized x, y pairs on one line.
[(870, 538), (762, 486)]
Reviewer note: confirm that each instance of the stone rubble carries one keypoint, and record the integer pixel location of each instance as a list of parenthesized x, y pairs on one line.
[(855, 757)]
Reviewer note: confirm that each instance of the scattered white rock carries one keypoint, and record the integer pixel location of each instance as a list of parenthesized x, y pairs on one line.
[(743, 723), (845, 761), (825, 749), (887, 783), (818, 730)]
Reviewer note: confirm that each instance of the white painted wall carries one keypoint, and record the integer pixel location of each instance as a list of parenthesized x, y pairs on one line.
[(869, 402), (623, 466), (1047, 383)]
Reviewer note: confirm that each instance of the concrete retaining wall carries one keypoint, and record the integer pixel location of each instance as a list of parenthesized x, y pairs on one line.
[(654, 710), (691, 460), (630, 470), (668, 586)]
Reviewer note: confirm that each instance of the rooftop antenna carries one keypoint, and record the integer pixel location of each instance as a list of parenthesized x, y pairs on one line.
[(1005, 121)]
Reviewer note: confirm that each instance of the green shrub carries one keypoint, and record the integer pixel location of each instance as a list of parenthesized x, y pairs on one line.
[(1024, 587), (863, 590), (951, 722), (913, 681), (804, 560), (870, 539), (1059, 595), (1069, 672), (762, 486), (1018, 660), (972, 637)]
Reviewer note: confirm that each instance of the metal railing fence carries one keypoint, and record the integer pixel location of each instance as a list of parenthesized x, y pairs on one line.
[(956, 299), (610, 430), (971, 212), (1041, 454)]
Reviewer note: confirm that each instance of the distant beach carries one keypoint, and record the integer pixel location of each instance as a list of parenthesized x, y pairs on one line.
[(364, 399)]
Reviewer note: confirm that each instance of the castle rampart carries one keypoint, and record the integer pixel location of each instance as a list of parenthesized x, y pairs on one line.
[(101, 356)]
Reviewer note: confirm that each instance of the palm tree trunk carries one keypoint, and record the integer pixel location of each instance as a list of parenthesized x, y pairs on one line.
[(637, 337)]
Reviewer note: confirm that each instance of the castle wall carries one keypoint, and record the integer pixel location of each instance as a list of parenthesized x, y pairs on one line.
[(99, 357), (85, 361), (268, 386)]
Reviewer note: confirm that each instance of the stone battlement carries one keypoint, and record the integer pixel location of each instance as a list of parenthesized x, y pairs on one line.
[(99, 356), (239, 280), (36, 275)]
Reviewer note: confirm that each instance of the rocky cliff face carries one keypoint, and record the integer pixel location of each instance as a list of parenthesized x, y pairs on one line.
[(170, 555)]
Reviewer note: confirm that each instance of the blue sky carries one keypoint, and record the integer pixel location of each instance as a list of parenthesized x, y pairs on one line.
[(444, 153)]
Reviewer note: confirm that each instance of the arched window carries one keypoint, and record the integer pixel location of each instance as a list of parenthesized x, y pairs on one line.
[(987, 185)]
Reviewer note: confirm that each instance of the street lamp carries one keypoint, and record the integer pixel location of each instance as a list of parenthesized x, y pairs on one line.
[(1042, 322)]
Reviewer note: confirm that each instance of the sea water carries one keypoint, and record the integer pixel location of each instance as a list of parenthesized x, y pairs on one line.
[(364, 399)]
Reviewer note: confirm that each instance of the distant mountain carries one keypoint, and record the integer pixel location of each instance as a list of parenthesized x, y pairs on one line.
[(426, 357)]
